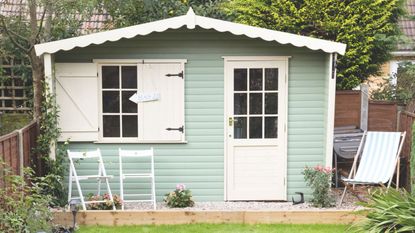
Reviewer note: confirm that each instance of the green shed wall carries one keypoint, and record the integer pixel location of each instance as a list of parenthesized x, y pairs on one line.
[(200, 163)]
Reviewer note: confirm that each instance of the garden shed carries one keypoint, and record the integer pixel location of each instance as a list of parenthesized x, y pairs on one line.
[(235, 112)]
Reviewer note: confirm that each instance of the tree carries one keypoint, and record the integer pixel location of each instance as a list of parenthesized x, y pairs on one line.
[(132, 12), (38, 21), (368, 27)]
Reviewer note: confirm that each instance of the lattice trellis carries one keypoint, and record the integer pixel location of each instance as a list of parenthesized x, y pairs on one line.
[(14, 94)]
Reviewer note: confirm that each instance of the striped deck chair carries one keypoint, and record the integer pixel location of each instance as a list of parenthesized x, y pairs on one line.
[(378, 160)]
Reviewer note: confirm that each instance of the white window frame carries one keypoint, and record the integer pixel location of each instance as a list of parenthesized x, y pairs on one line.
[(130, 62)]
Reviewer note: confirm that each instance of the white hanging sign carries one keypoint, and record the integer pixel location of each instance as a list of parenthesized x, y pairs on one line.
[(145, 97)]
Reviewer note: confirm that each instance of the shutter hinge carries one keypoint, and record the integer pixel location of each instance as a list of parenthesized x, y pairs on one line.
[(180, 129), (97, 74), (178, 75)]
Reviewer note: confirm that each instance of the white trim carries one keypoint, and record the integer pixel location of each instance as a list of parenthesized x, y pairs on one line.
[(331, 100), (109, 141), (49, 79), (137, 61), (131, 62), (190, 20), (256, 58), (284, 143), (403, 53), (117, 61)]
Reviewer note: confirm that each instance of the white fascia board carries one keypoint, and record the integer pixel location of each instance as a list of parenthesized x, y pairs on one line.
[(403, 53), (190, 20)]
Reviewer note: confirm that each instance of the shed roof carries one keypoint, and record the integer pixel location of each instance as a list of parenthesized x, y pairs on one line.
[(190, 20)]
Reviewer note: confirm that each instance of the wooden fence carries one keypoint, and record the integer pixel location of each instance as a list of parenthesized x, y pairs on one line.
[(16, 150)]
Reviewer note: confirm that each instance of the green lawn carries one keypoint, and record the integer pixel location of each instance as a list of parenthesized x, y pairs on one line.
[(218, 228), (10, 122)]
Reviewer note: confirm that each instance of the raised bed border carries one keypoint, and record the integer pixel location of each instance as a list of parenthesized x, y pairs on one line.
[(161, 217)]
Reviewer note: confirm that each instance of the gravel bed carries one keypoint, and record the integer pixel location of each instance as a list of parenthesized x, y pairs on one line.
[(348, 204)]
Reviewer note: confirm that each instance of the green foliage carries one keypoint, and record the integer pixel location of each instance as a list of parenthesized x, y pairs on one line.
[(368, 27), (55, 168), (11, 122), (23, 206), (179, 198), (412, 162), (319, 180), (404, 89), (131, 12), (107, 205), (390, 211)]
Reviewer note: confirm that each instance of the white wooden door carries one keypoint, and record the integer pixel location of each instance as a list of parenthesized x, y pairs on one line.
[(255, 129)]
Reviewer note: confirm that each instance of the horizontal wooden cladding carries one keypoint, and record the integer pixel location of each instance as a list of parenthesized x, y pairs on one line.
[(347, 108), (117, 218), (382, 116)]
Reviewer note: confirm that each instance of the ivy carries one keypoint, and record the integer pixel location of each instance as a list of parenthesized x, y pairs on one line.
[(55, 169)]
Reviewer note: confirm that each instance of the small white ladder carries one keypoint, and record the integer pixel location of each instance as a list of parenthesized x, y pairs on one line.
[(73, 176), (138, 154)]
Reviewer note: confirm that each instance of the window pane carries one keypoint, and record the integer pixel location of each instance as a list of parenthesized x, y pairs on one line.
[(128, 106), (111, 126), (271, 79), (271, 127), (255, 79), (110, 77), (110, 101), (255, 127), (240, 79), (129, 126), (255, 103), (271, 103), (239, 129), (240, 103), (129, 76)]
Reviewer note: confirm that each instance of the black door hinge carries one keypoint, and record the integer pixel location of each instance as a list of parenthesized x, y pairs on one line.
[(180, 129), (178, 75)]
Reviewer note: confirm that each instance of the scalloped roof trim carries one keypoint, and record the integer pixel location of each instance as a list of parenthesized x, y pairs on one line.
[(190, 20)]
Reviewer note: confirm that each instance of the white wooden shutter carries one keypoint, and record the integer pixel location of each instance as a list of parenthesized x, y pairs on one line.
[(77, 97), (168, 111)]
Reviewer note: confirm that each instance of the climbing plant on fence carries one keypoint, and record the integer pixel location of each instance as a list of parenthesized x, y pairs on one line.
[(412, 161)]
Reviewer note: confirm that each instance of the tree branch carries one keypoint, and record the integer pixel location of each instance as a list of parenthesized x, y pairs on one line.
[(6, 29)]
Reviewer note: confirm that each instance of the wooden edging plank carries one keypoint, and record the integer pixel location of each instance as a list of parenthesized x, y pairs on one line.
[(115, 218)]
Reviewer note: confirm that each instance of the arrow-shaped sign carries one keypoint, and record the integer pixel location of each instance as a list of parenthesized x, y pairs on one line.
[(145, 97)]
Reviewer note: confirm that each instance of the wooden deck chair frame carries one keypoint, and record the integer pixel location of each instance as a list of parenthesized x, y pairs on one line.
[(102, 175), (137, 154), (358, 155)]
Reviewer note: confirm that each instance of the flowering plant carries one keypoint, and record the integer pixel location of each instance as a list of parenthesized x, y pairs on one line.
[(318, 179), (107, 204), (180, 197)]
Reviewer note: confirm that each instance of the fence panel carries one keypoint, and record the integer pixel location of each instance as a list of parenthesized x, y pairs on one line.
[(383, 116), (16, 151), (347, 108)]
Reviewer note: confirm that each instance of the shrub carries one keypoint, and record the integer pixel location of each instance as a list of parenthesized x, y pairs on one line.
[(23, 207), (181, 197), (390, 211), (319, 180), (107, 205)]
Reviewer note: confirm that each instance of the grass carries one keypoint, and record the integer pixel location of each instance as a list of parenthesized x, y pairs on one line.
[(10, 122), (218, 228)]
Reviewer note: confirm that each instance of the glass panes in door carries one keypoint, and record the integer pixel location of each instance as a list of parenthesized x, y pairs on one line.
[(255, 100)]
